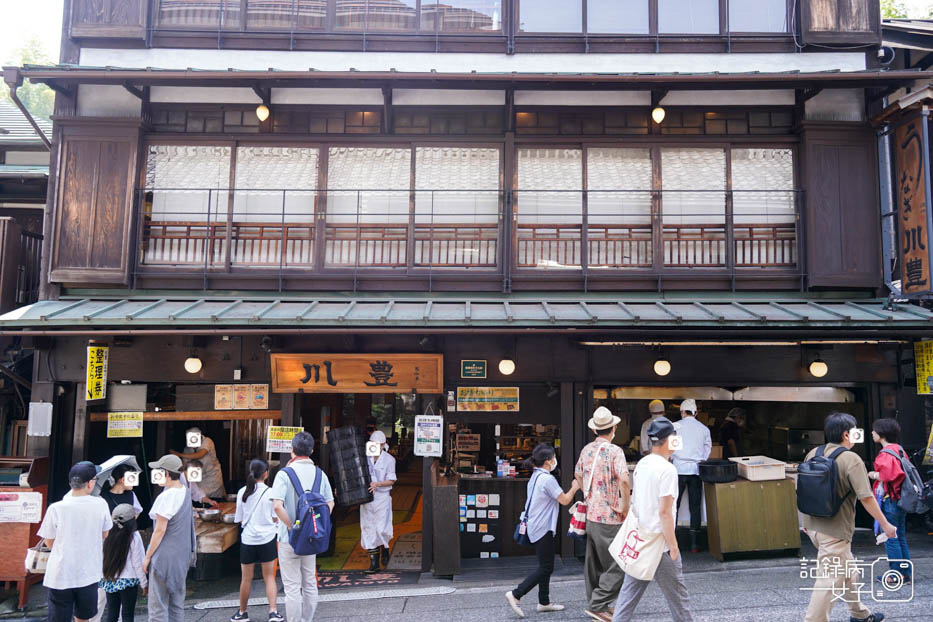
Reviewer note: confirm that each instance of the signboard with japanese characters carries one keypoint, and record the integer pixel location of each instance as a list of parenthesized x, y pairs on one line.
[(279, 438), (97, 357), (124, 425), (357, 373), (923, 364), (429, 435), (487, 399), (913, 212), (473, 369)]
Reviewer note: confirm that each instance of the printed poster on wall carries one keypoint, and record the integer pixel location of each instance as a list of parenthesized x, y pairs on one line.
[(125, 425), (259, 396), (487, 399), (97, 358), (241, 396), (923, 363), (223, 397), (428, 435), (279, 438), (20, 507)]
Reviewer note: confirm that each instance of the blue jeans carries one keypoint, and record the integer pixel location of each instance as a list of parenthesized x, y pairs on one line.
[(896, 547)]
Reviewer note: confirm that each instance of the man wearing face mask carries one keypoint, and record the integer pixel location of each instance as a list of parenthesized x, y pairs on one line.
[(602, 475), (376, 516)]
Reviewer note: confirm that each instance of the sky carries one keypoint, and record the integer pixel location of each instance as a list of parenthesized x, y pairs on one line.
[(42, 18)]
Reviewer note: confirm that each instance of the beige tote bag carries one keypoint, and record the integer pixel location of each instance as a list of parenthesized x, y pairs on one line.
[(638, 552)]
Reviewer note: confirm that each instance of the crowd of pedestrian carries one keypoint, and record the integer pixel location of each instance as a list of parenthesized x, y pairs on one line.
[(99, 565), (643, 509)]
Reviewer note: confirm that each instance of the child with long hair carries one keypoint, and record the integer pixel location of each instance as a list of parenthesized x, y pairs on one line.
[(123, 565), (254, 512)]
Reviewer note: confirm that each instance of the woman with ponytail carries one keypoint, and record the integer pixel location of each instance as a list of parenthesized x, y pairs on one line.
[(544, 495), (254, 512)]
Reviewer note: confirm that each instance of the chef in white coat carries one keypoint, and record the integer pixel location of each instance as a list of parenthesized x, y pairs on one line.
[(376, 516)]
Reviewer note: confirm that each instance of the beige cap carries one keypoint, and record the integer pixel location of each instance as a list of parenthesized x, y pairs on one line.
[(656, 406), (123, 513), (602, 419), (168, 462)]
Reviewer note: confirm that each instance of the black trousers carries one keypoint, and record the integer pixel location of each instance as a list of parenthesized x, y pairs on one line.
[(70, 603), (694, 487), (123, 602), (544, 549)]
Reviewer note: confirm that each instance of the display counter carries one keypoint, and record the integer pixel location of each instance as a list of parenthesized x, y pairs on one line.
[(216, 542), (746, 516)]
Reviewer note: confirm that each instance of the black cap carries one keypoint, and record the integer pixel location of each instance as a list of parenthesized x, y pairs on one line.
[(660, 429), (83, 472)]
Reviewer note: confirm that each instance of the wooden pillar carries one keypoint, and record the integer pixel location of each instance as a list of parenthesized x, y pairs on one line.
[(427, 514), (289, 409), (567, 454), (79, 445)]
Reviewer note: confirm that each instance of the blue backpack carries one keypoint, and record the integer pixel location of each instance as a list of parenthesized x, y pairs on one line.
[(310, 534)]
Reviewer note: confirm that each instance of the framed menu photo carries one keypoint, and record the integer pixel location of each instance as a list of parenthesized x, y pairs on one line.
[(241, 396)]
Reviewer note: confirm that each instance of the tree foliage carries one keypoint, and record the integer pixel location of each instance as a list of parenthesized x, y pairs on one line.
[(892, 9), (38, 98)]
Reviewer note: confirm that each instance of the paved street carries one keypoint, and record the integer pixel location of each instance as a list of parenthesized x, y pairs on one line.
[(768, 594)]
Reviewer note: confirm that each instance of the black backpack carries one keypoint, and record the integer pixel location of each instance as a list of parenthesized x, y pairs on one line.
[(913, 495), (818, 484)]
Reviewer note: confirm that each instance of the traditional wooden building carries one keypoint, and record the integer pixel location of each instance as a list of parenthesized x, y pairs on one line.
[(572, 202)]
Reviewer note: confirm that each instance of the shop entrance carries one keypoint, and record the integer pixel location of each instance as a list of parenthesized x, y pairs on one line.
[(393, 414)]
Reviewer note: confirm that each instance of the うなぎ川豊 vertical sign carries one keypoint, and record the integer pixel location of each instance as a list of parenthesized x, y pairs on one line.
[(912, 209)]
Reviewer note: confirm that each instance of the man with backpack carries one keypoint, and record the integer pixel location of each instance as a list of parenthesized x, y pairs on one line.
[(302, 499), (828, 483)]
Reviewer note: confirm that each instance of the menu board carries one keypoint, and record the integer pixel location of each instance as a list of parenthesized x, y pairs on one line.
[(279, 438), (923, 362), (125, 425), (428, 435), (487, 399), (223, 397)]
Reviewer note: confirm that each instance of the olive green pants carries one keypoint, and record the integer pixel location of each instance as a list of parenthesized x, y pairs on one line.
[(602, 575)]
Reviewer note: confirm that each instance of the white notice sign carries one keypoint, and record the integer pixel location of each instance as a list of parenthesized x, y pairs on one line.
[(428, 435), (20, 507)]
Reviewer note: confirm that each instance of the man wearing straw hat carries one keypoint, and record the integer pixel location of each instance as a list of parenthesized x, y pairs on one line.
[(603, 477)]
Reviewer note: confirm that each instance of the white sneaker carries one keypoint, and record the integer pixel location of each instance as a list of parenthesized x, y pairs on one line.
[(513, 603), (551, 607)]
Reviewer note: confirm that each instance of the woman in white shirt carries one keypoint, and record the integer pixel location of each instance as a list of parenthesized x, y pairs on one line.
[(254, 512), (123, 565)]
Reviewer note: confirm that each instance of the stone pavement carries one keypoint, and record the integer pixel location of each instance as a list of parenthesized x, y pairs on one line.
[(734, 594)]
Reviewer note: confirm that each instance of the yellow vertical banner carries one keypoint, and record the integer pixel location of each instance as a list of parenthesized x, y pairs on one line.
[(923, 362), (97, 357)]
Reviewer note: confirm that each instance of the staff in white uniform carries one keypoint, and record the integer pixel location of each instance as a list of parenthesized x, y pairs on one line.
[(212, 479), (697, 445), (376, 516)]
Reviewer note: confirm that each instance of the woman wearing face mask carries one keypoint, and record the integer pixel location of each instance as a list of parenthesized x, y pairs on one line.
[(544, 495)]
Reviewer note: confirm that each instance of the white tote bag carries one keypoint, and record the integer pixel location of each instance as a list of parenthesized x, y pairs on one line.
[(638, 552), (37, 558)]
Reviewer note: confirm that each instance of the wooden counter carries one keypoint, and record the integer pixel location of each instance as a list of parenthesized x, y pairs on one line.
[(511, 492), (745, 516)]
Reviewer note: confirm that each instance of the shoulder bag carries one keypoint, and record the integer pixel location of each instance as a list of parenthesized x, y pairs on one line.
[(37, 558), (521, 529), (577, 527), (638, 552)]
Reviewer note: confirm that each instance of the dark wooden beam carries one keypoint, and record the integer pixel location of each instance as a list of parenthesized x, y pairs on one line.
[(134, 90), (388, 123), (62, 90), (657, 95), (924, 63), (265, 94), (804, 95)]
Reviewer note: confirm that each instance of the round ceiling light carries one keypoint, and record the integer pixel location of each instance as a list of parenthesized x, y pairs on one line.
[(506, 367), (662, 367), (193, 365), (818, 368)]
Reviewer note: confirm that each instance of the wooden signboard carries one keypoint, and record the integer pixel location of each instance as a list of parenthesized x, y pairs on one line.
[(357, 373), (913, 217)]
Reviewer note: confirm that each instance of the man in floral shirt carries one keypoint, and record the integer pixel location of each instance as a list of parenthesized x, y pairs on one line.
[(603, 478)]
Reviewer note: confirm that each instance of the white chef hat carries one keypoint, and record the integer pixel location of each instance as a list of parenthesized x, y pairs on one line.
[(378, 437), (688, 405)]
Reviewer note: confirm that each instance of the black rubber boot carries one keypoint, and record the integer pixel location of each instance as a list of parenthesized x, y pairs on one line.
[(385, 556), (694, 548), (373, 560)]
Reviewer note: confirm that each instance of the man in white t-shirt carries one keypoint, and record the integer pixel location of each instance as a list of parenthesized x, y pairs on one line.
[(654, 490), (75, 528)]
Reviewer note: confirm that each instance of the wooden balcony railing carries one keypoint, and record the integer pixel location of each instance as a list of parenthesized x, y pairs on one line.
[(370, 238)]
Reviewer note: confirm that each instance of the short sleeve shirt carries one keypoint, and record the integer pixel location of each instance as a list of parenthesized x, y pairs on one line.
[(654, 478), (543, 507), (853, 485), (168, 503), (606, 502), (283, 490), (257, 514), (77, 525)]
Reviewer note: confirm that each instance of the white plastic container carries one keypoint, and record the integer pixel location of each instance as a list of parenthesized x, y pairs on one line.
[(759, 468)]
